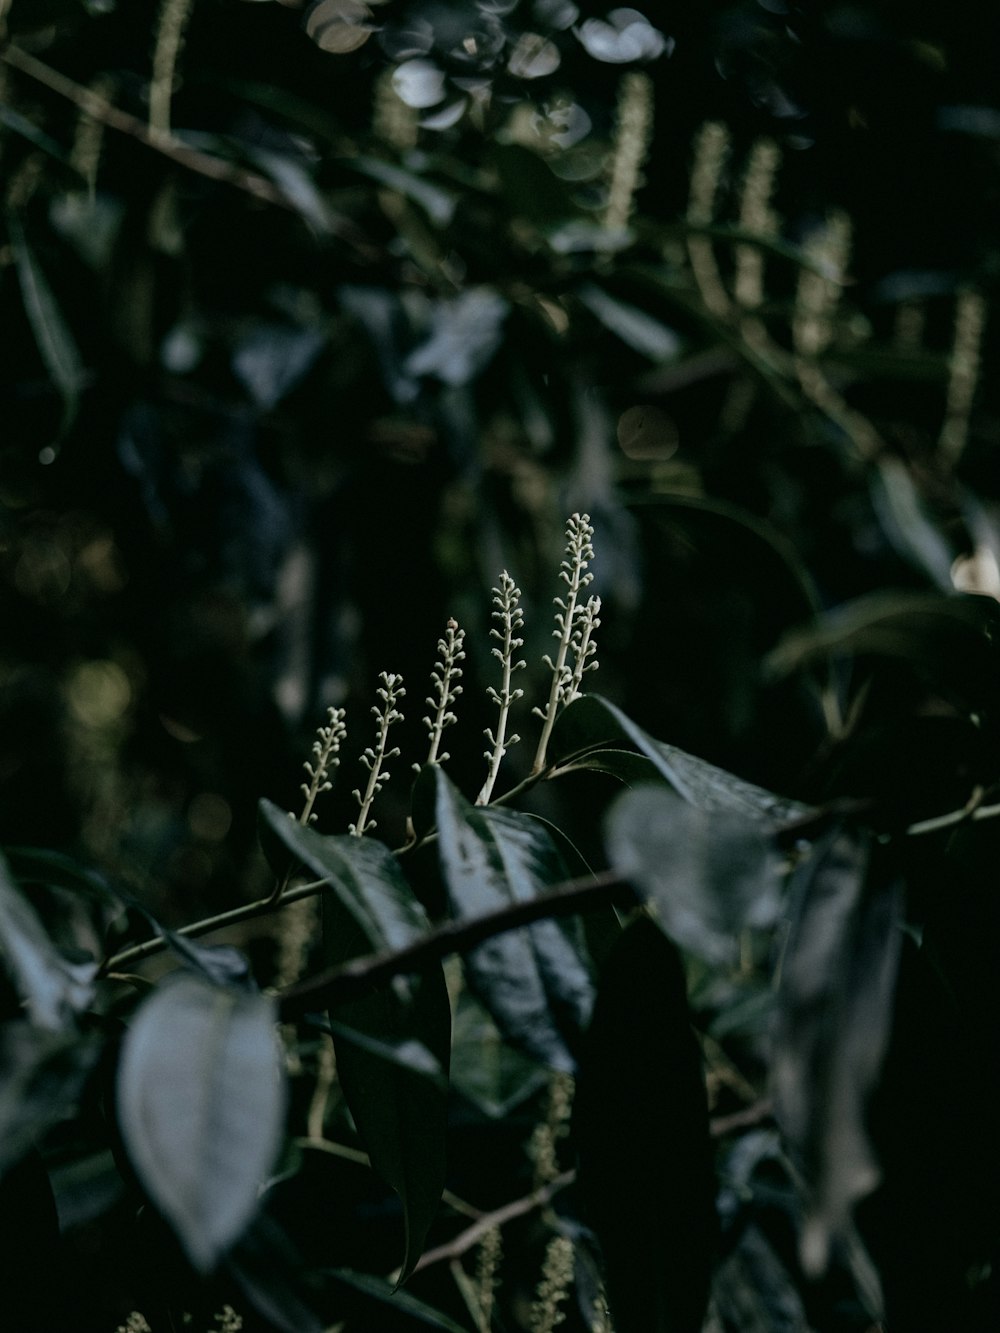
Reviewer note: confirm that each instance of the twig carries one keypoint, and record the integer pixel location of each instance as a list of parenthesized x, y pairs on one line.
[(465, 1240)]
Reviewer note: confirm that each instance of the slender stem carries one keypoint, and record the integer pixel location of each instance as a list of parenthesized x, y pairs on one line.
[(259, 907), (465, 1240), (361, 975)]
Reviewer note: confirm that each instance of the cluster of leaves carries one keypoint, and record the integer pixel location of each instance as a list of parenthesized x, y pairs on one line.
[(316, 316)]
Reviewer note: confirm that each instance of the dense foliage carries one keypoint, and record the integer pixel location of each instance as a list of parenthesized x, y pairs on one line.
[(677, 1008)]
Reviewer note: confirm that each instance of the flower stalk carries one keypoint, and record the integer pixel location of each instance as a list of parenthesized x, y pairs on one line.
[(574, 573), (326, 758), (375, 758), (445, 687), (506, 598)]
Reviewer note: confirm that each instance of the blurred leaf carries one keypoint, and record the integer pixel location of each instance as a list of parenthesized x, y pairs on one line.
[(53, 988), (30, 131), (466, 332), (401, 1303), (294, 181), (835, 1000), (201, 1102), (625, 36), (907, 524), (710, 874), (56, 344), (593, 722), (42, 1075), (412, 1056), (640, 1120), (273, 358), (633, 326), (529, 187), (437, 202), (533, 981), (340, 26)]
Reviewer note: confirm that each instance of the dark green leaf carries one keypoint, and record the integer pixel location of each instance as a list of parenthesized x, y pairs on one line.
[(533, 981), (42, 1074), (56, 344), (52, 988), (411, 1056), (629, 768), (400, 1302), (400, 1113), (835, 999), (592, 723), (363, 874), (711, 874), (485, 1069), (641, 1124), (201, 1102)]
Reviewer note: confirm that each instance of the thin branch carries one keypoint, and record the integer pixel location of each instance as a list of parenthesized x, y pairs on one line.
[(361, 975), (465, 1240), (135, 953)]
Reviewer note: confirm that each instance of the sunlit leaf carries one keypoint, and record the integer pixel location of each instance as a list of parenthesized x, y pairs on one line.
[(640, 1120), (627, 35), (710, 873), (201, 1103), (533, 981)]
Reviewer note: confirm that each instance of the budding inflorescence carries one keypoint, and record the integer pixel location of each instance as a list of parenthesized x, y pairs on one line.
[(326, 757), (375, 758), (446, 689), (507, 600), (575, 624)]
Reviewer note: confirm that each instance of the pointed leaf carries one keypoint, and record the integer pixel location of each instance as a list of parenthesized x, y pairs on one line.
[(835, 999), (400, 1113), (633, 326), (591, 722), (533, 981), (52, 988), (201, 1101), (711, 874), (641, 1124), (397, 1303), (629, 768)]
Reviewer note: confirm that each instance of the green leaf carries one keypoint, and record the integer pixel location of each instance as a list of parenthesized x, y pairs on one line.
[(52, 988), (42, 1074), (490, 1073), (533, 981), (834, 1013), (56, 345), (629, 768), (412, 1056), (201, 1101), (400, 1113), (399, 1302), (710, 873), (640, 1120), (363, 874), (592, 723)]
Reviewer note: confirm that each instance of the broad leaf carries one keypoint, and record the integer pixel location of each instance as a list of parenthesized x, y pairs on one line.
[(641, 1125), (533, 981), (52, 988), (201, 1102), (489, 1072), (592, 723), (711, 874), (834, 1013), (42, 1075), (400, 1113)]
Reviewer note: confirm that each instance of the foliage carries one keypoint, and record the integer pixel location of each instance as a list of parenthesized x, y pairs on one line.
[(316, 317)]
